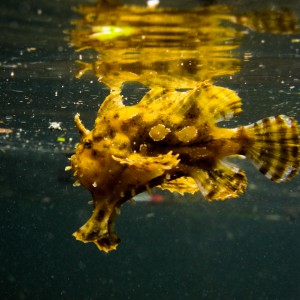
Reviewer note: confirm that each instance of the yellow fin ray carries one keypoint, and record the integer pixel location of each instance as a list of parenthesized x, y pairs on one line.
[(219, 102), (275, 147), (181, 185), (169, 105), (220, 182), (143, 169), (112, 102), (270, 20), (205, 102)]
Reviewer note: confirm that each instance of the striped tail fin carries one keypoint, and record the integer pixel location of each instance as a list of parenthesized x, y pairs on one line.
[(282, 21), (274, 147)]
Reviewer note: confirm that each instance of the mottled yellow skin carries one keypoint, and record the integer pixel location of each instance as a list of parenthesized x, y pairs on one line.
[(170, 140)]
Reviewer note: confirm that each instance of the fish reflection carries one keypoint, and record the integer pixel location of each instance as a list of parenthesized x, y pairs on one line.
[(167, 47)]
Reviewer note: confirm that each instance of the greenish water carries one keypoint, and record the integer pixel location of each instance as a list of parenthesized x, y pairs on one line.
[(183, 248)]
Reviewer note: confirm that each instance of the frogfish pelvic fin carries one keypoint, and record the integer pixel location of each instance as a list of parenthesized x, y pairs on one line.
[(170, 140)]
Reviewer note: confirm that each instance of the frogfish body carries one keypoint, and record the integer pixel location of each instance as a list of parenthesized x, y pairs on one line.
[(170, 140)]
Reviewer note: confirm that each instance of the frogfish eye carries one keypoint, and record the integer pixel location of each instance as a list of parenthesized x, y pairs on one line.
[(87, 144)]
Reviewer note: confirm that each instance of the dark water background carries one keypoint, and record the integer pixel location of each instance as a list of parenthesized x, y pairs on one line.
[(184, 248)]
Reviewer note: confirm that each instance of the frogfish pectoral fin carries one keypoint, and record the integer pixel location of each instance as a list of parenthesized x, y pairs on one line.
[(140, 170), (222, 181), (99, 229)]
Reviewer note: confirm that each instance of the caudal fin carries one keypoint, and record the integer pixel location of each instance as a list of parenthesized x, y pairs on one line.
[(274, 147)]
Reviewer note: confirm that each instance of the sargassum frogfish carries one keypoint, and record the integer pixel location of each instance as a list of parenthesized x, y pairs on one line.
[(170, 140)]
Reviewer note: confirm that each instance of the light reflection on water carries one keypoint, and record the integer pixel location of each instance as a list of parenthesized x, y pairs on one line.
[(182, 248)]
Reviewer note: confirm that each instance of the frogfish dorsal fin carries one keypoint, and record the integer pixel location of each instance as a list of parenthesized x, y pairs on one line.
[(220, 102)]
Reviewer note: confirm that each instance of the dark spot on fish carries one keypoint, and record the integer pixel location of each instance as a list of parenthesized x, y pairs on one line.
[(238, 176), (277, 176), (104, 242), (87, 144), (266, 122), (264, 168), (100, 215), (193, 112), (295, 151), (211, 194)]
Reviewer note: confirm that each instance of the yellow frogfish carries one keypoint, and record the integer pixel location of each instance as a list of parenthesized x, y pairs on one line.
[(170, 140)]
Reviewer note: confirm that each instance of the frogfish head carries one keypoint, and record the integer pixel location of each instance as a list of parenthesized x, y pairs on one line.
[(113, 172), (95, 168)]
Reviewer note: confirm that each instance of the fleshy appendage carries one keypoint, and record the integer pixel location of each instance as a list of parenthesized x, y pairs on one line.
[(274, 147)]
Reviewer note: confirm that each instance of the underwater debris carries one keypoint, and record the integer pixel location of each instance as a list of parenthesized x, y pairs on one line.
[(170, 140), (55, 126), (5, 130)]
